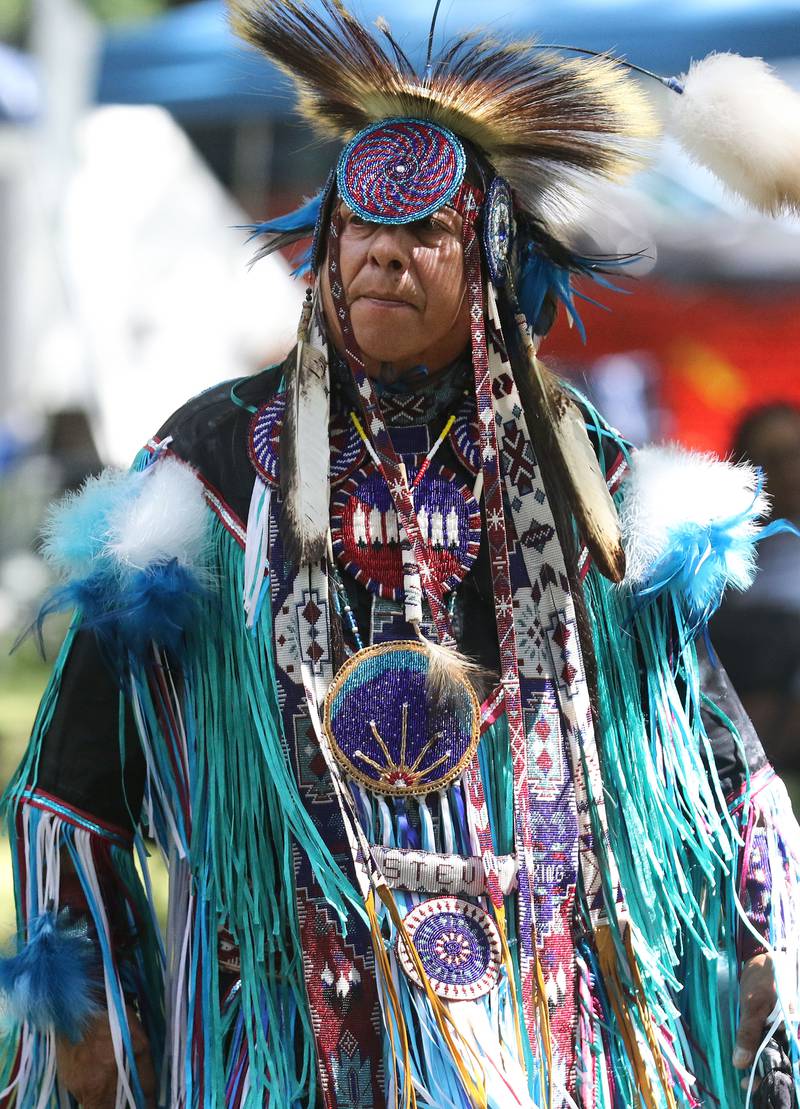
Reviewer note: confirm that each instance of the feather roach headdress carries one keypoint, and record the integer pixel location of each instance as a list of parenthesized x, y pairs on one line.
[(502, 132), (535, 115)]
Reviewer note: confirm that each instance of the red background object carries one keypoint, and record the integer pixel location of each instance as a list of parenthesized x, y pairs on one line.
[(720, 349)]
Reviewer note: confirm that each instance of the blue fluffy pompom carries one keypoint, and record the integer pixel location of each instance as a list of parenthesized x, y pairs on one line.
[(156, 604), (131, 550), (75, 530), (698, 566), (690, 524), (52, 981)]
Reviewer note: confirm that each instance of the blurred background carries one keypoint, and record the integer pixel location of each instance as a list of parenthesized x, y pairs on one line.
[(137, 136)]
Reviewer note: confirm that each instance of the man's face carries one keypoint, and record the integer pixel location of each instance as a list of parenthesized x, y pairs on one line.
[(406, 291)]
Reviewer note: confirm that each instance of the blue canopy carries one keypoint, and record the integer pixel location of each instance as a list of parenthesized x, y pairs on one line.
[(189, 61)]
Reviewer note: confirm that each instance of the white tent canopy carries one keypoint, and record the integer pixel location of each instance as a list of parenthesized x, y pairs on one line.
[(157, 299), (160, 269)]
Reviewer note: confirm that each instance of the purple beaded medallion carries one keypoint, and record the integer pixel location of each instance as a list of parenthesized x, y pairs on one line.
[(386, 732), (366, 539), (458, 945), (264, 446)]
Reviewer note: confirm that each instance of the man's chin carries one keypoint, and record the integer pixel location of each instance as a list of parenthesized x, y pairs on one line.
[(381, 352)]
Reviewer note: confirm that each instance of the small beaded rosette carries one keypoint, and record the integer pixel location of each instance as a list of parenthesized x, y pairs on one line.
[(458, 947)]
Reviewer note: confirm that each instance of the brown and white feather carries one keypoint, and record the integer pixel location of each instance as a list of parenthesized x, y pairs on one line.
[(305, 454), (540, 118)]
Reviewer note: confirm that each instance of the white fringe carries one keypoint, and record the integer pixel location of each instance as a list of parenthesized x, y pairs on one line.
[(256, 548)]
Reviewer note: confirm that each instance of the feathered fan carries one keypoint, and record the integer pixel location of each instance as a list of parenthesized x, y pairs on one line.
[(539, 118)]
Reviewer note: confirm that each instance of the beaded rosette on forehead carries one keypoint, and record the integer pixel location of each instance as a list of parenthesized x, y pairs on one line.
[(401, 170)]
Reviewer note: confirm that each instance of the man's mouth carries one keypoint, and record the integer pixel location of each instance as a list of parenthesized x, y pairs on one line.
[(378, 300)]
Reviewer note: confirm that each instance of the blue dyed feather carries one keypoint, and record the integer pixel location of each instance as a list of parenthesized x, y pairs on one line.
[(53, 980), (702, 560), (155, 603), (539, 276), (302, 221), (303, 267)]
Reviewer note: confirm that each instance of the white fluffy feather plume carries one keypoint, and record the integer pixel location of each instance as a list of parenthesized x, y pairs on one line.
[(167, 519), (736, 118), (671, 493)]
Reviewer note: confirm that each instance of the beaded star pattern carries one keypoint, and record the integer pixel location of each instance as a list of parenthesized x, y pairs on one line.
[(384, 729), (458, 946)]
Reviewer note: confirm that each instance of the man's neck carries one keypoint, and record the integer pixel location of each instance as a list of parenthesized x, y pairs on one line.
[(435, 392)]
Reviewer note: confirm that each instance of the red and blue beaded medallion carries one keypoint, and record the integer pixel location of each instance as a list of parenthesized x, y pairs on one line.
[(366, 540), (400, 170)]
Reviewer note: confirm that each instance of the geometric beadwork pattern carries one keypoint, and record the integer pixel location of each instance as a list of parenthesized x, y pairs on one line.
[(563, 634), (547, 771), (264, 443), (458, 946), (465, 436), (400, 170), (388, 622), (366, 539), (386, 731)]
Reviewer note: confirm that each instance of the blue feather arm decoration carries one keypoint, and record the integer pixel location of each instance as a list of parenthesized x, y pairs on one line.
[(131, 551), (690, 524), (53, 981), (154, 604)]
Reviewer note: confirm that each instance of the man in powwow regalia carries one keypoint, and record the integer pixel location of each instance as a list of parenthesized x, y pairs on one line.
[(398, 651)]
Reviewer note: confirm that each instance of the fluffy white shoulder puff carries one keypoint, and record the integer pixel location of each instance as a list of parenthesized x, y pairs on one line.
[(672, 495), (166, 520), (736, 118)]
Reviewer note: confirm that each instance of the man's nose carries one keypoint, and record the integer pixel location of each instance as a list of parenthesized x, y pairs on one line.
[(390, 247)]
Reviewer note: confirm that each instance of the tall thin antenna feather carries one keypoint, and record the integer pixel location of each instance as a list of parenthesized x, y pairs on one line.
[(669, 82), (430, 39), (402, 58)]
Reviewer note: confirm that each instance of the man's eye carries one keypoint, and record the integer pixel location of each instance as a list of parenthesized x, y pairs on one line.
[(434, 225), (430, 226)]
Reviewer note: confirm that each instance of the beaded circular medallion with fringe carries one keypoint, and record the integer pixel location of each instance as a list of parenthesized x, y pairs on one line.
[(387, 732), (458, 945)]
